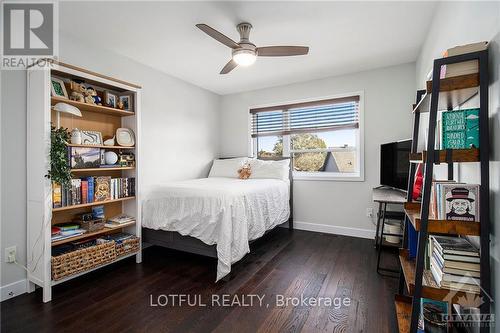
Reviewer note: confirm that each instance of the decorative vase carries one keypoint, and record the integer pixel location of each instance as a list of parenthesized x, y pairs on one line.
[(76, 136), (110, 142)]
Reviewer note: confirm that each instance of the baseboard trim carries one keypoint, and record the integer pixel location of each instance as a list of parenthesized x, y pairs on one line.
[(336, 230), (13, 289)]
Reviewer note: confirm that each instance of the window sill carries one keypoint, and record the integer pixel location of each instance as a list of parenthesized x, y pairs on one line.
[(327, 177)]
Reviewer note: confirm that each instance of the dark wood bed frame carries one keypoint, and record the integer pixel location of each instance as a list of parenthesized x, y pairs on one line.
[(174, 240)]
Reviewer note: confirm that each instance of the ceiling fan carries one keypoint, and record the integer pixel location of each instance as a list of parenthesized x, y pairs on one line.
[(245, 52)]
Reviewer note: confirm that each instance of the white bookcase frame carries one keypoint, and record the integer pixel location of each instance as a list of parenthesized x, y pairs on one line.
[(39, 189)]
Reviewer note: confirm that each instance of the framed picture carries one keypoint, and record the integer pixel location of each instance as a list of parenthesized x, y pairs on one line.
[(127, 102), (82, 157), (91, 138), (58, 88), (110, 99)]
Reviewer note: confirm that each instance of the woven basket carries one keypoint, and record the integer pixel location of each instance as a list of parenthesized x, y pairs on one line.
[(92, 225), (127, 246), (82, 260)]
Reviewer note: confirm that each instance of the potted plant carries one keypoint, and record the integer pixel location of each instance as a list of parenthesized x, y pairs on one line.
[(60, 171)]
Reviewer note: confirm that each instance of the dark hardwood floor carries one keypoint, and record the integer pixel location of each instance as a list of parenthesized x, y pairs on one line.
[(118, 298)]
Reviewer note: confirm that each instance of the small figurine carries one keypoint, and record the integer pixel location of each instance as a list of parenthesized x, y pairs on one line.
[(77, 91), (92, 92), (89, 95), (120, 104)]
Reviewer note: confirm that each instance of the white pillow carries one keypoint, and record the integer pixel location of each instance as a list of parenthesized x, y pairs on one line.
[(227, 167), (270, 169)]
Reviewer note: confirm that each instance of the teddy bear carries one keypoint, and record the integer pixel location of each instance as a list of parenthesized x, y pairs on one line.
[(77, 91), (245, 171), (91, 97)]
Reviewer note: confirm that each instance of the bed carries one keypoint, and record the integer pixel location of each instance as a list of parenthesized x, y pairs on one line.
[(220, 215)]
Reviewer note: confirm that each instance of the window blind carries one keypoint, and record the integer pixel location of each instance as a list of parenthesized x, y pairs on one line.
[(325, 115)]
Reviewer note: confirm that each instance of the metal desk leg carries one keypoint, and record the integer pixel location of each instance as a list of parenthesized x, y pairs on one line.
[(378, 224)]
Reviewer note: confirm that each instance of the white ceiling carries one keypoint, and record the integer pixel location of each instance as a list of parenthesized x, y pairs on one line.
[(343, 37)]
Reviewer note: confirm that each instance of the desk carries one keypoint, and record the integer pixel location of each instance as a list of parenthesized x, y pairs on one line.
[(384, 196)]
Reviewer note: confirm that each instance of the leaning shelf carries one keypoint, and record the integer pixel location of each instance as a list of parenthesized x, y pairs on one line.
[(91, 204), (403, 312)]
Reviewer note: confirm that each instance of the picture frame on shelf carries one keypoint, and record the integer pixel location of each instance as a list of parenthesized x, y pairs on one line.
[(126, 100), (57, 88), (110, 99), (91, 138)]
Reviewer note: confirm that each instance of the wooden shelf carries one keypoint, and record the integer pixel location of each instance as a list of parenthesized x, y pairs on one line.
[(102, 169), (454, 92), (96, 203), (403, 312), (412, 210), (99, 146), (457, 155), (91, 234), (84, 107), (430, 288)]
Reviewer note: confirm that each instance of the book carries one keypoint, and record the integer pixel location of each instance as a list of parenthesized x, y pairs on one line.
[(460, 129), (102, 188), (121, 219), (460, 202), (85, 188), (90, 189), (433, 316), (454, 245), (455, 264), (68, 226), (56, 195), (452, 277), (462, 68)]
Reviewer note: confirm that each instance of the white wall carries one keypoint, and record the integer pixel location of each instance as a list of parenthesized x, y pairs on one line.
[(458, 23), (179, 136), (334, 206)]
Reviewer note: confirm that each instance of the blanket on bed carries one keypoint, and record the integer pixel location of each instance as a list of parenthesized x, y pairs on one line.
[(227, 212)]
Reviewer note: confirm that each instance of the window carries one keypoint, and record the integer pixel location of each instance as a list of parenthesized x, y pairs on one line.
[(322, 137)]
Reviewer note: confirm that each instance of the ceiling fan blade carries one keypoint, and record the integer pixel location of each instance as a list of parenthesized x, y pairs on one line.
[(229, 67), (218, 36), (282, 51)]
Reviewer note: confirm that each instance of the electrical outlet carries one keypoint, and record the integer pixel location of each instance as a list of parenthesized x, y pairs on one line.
[(10, 254), (369, 212)]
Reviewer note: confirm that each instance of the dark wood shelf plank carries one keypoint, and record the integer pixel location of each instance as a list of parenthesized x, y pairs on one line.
[(434, 226), (457, 155), (403, 312), (84, 107), (430, 288), (454, 92)]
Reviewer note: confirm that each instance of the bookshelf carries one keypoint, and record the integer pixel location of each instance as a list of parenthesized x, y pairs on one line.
[(416, 281), (41, 215)]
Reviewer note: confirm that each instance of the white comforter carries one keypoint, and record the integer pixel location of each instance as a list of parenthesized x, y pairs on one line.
[(224, 211)]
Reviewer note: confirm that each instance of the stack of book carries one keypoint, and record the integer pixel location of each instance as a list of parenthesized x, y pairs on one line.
[(462, 68), (433, 316), (91, 189), (118, 220), (454, 201), (454, 263), (67, 230)]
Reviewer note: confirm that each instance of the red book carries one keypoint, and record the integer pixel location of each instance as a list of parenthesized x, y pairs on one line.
[(85, 189)]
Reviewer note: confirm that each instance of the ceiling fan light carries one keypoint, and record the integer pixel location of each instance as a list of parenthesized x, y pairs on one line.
[(244, 57)]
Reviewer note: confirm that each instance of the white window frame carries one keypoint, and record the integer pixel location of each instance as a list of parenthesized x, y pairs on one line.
[(320, 176)]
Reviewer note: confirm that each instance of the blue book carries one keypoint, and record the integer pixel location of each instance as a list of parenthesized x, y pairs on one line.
[(412, 240), (90, 189)]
